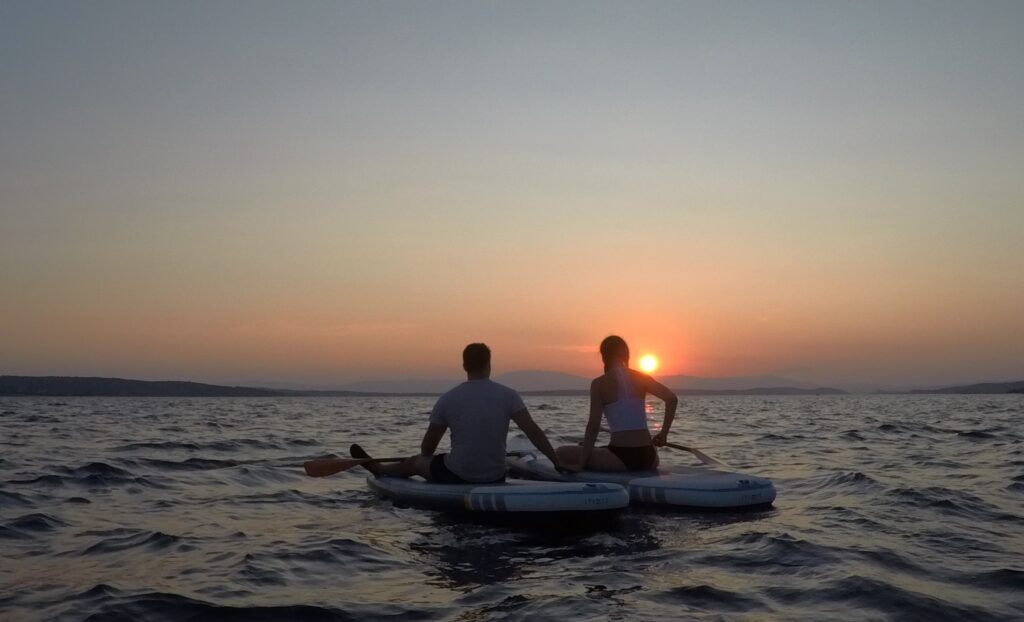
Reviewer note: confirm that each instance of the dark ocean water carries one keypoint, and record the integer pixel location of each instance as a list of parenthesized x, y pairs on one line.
[(889, 508)]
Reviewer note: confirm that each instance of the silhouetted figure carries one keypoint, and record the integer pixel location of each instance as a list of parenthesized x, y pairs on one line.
[(619, 394), (478, 412)]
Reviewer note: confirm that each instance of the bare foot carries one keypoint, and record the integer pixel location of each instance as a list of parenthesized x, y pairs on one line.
[(358, 452)]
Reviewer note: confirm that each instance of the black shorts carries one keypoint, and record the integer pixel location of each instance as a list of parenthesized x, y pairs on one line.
[(636, 458), (440, 474)]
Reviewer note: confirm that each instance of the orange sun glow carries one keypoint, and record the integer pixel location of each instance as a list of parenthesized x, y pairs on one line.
[(648, 363)]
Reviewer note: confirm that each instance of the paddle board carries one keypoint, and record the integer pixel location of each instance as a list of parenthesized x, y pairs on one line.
[(514, 497), (691, 487)]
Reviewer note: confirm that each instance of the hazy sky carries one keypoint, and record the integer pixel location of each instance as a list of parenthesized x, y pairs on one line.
[(324, 191)]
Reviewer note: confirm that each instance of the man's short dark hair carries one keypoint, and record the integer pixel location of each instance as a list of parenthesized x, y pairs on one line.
[(476, 358)]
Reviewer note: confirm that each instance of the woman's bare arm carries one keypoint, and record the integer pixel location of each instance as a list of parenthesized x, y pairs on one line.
[(659, 390)]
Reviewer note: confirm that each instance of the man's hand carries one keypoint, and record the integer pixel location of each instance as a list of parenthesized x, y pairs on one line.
[(660, 438), (567, 468)]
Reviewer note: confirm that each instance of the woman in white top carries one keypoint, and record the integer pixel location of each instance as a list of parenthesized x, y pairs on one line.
[(619, 395)]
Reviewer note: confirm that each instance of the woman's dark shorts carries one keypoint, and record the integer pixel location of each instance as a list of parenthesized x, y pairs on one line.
[(439, 473), (635, 458)]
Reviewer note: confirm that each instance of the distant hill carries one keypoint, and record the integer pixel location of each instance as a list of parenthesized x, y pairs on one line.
[(536, 382), (764, 391), (539, 380), (528, 380), (729, 383), (433, 386), (533, 382), (981, 388), (76, 385), (120, 387), (754, 391)]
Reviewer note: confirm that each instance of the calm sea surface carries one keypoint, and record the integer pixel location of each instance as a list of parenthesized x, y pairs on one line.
[(889, 508)]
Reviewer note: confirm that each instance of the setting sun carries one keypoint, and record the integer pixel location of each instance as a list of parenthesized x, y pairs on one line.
[(648, 363)]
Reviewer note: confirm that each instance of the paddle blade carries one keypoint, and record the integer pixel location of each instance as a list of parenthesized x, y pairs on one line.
[(330, 466), (706, 459), (703, 457)]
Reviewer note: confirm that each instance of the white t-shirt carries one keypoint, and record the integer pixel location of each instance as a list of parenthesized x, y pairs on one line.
[(477, 413)]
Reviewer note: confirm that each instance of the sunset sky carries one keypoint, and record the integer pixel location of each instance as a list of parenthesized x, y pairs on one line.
[(327, 192)]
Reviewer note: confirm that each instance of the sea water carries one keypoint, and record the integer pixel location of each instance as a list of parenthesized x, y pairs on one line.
[(889, 508)]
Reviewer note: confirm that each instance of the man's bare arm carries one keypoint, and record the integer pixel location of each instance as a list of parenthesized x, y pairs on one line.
[(535, 434), (433, 435)]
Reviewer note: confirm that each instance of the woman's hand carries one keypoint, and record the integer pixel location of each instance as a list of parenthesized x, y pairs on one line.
[(659, 439)]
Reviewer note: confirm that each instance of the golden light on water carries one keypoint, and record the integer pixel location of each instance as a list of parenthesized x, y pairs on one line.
[(648, 363)]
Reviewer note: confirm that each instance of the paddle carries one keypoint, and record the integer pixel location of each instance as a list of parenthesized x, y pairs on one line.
[(703, 457), (329, 466)]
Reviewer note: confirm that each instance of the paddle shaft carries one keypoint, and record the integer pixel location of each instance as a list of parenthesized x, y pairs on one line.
[(329, 466), (703, 457)]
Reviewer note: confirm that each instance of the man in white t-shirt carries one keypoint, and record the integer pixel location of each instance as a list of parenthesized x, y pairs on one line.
[(477, 412)]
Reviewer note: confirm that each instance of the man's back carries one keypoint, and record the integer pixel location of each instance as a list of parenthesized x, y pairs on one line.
[(477, 413)]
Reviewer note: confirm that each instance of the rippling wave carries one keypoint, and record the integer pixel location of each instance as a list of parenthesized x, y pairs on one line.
[(889, 508)]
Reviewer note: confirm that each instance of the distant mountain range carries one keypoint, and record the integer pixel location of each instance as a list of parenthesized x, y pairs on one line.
[(529, 382), (982, 388), (75, 385), (546, 381)]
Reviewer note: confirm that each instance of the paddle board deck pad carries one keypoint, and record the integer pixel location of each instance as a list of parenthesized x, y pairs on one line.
[(682, 487), (510, 498)]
